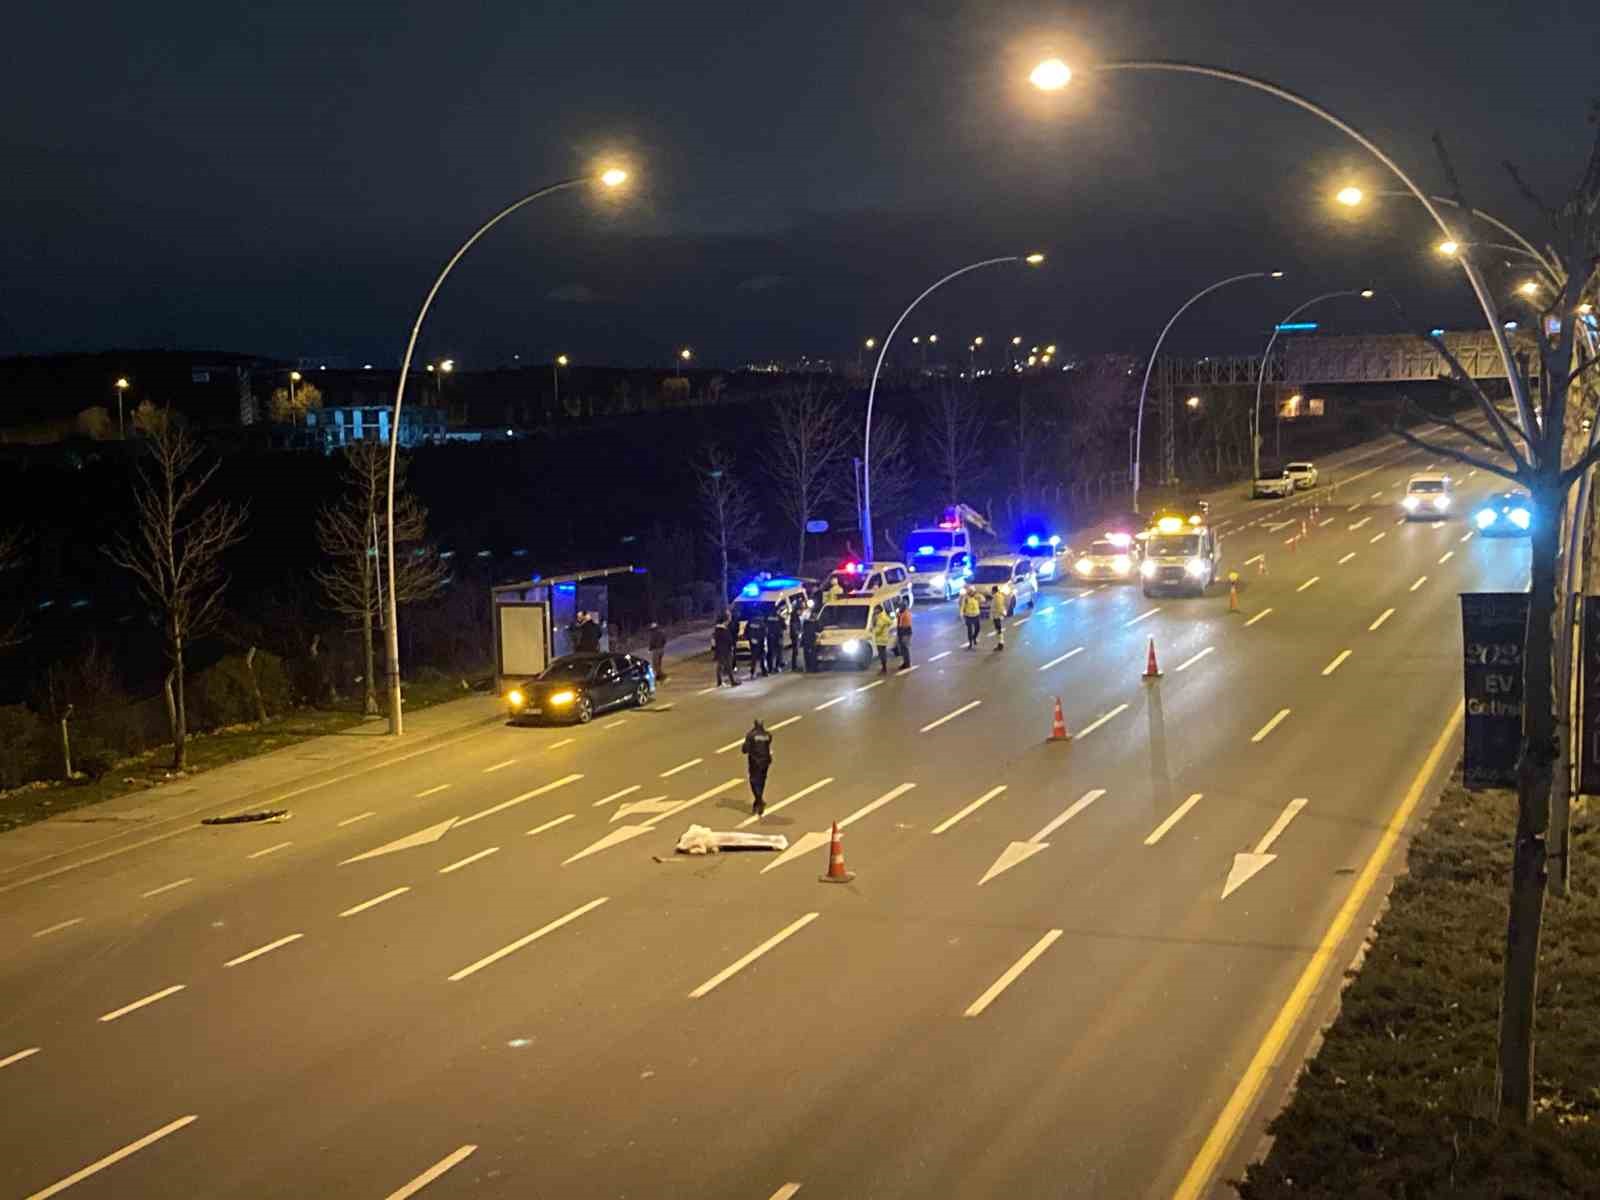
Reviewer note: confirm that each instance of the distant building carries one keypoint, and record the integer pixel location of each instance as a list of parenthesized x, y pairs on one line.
[(331, 428)]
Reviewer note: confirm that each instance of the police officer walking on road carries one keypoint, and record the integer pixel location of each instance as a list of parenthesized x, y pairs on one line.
[(972, 613), (756, 631), (758, 751)]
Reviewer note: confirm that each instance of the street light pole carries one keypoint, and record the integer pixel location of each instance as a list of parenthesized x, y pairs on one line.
[(1031, 260), (1138, 436), (1261, 372), (555, 379), (610, 178), (122, 386)]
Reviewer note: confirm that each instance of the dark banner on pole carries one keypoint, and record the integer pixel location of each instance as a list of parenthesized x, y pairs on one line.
[(1493, 628), (1589, 700)]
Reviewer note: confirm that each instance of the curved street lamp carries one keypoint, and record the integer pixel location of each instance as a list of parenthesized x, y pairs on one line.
[(1261, 374), (610, 178), (1138, 424), (1032, 260)]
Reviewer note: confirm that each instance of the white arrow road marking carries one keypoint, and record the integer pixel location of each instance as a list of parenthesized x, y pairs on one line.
[(950, 716), (654, 804), (1190, 661), (18, 1056), (515, 800), (432, 1173), (1017, 968), (788, 800), (808, 842), (1099, 721), (624, 833), (950, 822), (527, 939), (1257, 617), (627, 791), (1018, 852), (729, 972), (1056, 662), (1247, 866), (422, 837), (1277, 719), (114, 1157), (1178, 814), (1382, 617), (1338, 661)]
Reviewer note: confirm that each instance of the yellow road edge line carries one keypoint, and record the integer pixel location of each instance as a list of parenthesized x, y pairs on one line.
[(1197, 1179)]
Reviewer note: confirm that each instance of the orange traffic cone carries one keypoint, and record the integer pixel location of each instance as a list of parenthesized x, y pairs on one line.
[(1233, 597), (1058, 726), (836, 872), (1151, 671)]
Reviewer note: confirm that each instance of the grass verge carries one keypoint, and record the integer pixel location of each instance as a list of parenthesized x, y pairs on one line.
[(204, 752), (1397, 1103)]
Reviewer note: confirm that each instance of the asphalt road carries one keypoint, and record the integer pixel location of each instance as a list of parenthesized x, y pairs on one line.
[(524, 1002)]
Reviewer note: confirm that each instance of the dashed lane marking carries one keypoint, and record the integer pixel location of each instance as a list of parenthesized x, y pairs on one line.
[(260, 950), (1308, 583), (469, 860), (432, 1173), (515, 800), (18, 1056), (1376, 538), (1448, 555), (683, 766), (499, 766), (270, 850), (1346, 558), (374, 902), (550, 824), (1142, 616), (733, 969), (527, 939), (1161, 830), (952, 821), (1467, 536), (1257, 617), (57, 927), (113, 1158), (1337, 662), (1357, 525), (976, 1008), (365, 815), (1095, 724), (1421, 579), (788, 800), (116, 1013), (1189, 662), (166, 887), (950, 716), (1277, 719), (627, 791), (1382, 617), (1057, 661)]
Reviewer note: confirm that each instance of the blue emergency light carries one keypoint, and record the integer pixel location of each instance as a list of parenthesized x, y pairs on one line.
[(750, 589), (1033, 540), (924, 549)]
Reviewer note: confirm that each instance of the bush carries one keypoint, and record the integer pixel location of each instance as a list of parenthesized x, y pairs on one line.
[(24, 746), (224, 694)]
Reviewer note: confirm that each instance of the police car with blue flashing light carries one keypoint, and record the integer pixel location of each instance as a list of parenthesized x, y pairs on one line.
[(1112, 557), (1505, 514), (764, 594), (1048, 555), (938, 574)]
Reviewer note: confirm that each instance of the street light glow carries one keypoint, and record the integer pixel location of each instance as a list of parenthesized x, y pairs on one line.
[(613, 177), (1276, 275), (1017, 341), (932, 338), (871, 342), (1051, 75), (1193, 401), (686, 354), (1350, 196), (1529, 288), (561, 360), (296, 376), (1034, 259), (978, 341), (1448, 248), (1367, 293), (1050, 349), (448, 364), (122, 384)]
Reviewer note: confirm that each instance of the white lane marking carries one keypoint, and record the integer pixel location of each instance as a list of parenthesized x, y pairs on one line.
[(1056, 662), (1023, 620), (707, 691), (260, 950), (1467, 536), (1099, 721), (57, 927), (1277, 719), (113, 1158), (18, 1056), (1257, 617), (786, 1192), (1152, 612), (831, 703), (1017, 968), (1354, 506), (1400, 522), (1377, 496), (1246, 866), (469, 860), (138, 1004), (728, 972), (1338, 661), (627, 791), (785, 721), (1289, 541), (608, 725), (1308, 583), (949, 822), (1382, 617), (270, 850), (1359, 524), (527, 939), (432, 1173), (541, 790), (1377, 538), (1189, 662), (868, 809), (1346, 558), (566, 741), (1325, 522), (1448, 555), (950, 716), (550, 824), (1421, 579), (788, 800), (433, 791), (166, 887), (1472, 472), (1252, 561), (625, 833), (941, 654), (1047, 608), (363, 816), (500, 766), (733, 745), (683, 766), (1161, 830), (870, 686), (1072, 810), (374, 902)]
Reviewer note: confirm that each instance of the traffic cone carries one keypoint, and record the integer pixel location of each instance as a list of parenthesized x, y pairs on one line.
[(836, 872), (1151, 671), (1233, 597), (1058, 726)]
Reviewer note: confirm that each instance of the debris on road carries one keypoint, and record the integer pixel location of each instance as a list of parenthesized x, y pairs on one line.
[(276, 814), (697, 839)]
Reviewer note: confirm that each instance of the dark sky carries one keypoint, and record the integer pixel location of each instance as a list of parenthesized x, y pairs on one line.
[(285, 176)]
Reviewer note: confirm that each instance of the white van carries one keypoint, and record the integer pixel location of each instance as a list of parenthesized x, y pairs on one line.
[(844, 628)]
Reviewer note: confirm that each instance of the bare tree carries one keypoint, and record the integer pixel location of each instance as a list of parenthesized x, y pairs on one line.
[(893, 476), (1528, 444), (11, 634), (954, 432), (728, 510), (810, 440), (176, 553), (352, 533)]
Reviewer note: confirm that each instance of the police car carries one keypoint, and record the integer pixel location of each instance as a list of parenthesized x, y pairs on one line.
[(1049, 556), (1012, 574), (1181, 554), (761, 596), (938, 574), (844, 628), (859, 578), (1110, 557)]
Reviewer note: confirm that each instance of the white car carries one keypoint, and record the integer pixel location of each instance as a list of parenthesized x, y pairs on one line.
[(868, 579), (938, 574), (1013, 574), (844, 629), (1428, 496), (1304, 474), (1272, 483)]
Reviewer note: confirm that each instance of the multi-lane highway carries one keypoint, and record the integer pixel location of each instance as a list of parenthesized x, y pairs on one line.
[(1062, 969)]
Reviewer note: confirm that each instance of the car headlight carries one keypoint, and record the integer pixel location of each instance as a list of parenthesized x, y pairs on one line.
[(566, 697), (1521, 517), (515, 698), (936, 580), (1441, 502), (1195, 568), (850, 647), (1084, 566), (1410, 503), (1148, 568), (1486, 517), (1122, 564)]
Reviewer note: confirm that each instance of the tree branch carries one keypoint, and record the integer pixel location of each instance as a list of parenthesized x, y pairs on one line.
[(1452, 454)]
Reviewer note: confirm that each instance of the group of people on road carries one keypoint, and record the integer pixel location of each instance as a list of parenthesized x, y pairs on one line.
[(765, 635), (892, 631), (972, 604)]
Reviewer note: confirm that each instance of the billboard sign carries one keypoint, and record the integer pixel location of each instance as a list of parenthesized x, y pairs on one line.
[(1493, 629)]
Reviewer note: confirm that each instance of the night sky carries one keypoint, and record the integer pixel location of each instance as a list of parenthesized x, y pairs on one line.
[(286, 177)]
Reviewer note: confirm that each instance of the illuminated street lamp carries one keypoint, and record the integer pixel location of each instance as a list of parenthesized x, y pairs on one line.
[(1350, 197), (121, 386), (1529, 288), (684, 356), (1193, 401), (561, 360), (1031, 260), (610, 178), (1261, 375)]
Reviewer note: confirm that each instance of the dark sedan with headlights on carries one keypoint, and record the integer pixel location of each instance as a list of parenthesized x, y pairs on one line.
[(577, 686), (1505, 514)]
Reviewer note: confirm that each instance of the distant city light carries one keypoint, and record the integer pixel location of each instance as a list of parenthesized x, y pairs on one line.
[(1297, 327)]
